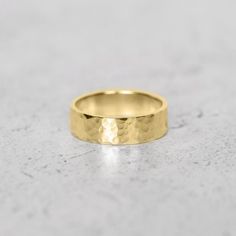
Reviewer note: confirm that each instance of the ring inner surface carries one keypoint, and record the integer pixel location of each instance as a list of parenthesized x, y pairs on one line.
[(119, 104)]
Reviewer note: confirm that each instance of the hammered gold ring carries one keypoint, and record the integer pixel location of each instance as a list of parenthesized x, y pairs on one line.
[(119, 117)]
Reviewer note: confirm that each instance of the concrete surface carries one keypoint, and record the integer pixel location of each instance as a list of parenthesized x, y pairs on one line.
[(51, 183)]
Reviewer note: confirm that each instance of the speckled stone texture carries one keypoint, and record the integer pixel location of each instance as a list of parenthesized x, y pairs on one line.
[(52, 184)]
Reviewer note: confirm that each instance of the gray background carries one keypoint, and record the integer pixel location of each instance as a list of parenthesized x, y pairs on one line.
[(53, 184)]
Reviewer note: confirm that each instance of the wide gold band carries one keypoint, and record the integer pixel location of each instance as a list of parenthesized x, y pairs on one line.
[(119, 117)]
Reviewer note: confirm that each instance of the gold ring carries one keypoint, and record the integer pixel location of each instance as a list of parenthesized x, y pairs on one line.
[(119, 117)]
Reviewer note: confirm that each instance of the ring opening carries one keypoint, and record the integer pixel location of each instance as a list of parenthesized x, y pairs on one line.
[(119, 104)]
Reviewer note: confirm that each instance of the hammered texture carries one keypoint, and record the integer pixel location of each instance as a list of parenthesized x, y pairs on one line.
[(117, 131)]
